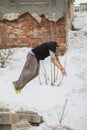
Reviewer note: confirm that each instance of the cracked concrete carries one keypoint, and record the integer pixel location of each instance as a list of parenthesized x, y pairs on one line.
[(52, 9)]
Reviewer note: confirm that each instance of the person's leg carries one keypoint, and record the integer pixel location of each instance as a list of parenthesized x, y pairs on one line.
[(37, 71), (28, 73)]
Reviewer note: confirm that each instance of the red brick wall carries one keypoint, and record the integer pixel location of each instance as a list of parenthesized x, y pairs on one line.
[(26, 31)]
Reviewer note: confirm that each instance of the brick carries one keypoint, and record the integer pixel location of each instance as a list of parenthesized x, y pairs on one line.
[(8, 118), (26, 31)]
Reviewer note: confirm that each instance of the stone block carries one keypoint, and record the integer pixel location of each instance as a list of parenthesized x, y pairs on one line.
[(8, 118), (23, 125), (5, 127), (27, 112), (4, 109), (31, 118)]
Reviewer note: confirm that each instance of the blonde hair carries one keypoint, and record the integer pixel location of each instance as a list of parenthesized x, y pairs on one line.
[(62, 48)]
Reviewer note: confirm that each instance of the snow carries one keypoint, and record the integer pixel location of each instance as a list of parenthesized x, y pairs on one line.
[(46, 99)]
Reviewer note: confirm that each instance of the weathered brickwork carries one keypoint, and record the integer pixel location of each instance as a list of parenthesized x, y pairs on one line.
[(27, 32)]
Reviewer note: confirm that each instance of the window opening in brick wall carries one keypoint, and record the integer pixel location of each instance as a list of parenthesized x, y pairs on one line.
[(81, 5)]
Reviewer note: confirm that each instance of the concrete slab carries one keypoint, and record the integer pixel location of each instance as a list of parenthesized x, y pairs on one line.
[(4, 109), (27, 112), (31, 116), (7, 118), (5, 127), (23, 125)]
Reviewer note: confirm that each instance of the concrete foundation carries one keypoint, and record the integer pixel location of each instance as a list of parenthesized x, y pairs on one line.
[(8, 118), (20, 120)]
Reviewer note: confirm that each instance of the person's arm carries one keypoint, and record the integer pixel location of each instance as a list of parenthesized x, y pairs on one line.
[(57, 63)]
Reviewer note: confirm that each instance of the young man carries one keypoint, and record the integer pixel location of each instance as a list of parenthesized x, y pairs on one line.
[(31, 67)]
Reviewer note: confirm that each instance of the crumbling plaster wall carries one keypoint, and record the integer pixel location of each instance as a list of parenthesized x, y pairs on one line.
[(50, 8), (31, 24)]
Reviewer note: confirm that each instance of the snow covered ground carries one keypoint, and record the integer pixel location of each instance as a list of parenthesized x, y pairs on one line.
[(49, 100)]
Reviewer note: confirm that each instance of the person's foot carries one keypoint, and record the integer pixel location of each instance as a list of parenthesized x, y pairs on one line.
[(17, 90)]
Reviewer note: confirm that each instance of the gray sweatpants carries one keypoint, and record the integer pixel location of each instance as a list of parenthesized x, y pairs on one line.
[(29, 72)]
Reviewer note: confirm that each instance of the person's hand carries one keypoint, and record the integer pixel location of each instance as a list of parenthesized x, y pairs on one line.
[(63, 71)]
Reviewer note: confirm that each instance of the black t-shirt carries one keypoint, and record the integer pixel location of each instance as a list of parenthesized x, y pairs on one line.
[(42, 51)]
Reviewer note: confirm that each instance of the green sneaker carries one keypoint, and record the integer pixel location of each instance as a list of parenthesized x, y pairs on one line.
[(17, 90)]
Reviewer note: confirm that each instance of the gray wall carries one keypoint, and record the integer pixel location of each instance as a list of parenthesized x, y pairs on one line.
[(53, 9)]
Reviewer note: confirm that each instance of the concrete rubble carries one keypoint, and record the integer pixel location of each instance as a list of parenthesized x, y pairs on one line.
[(20, 120)]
